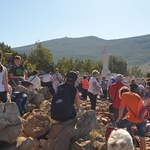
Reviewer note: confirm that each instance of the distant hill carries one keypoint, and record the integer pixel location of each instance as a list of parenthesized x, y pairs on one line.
[(135, 50)]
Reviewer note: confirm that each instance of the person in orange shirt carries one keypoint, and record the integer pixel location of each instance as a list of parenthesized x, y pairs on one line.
[(85, 86), (130, 101)]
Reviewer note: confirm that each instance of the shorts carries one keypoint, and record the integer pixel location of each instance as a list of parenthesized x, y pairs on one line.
[(141, 127), (3, 96)]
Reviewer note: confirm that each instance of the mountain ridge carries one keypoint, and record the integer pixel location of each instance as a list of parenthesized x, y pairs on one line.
[(134, 50)]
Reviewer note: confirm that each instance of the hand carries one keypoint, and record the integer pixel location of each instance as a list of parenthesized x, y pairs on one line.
[(22, 78), (8, 98), (79, 112), (8, 101), (118, 120)]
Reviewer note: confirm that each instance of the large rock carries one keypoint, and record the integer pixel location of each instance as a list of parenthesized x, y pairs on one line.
[(28, 143), (36, 124), (30, 94), (64, 134), (10, 122), (37, 100), (22, 89), (81, 145), (45, 92)]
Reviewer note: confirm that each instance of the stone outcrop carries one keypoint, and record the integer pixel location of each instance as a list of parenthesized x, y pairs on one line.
[(64, 134), (36, 124), (32, 96), (10, 122), (27, 143), (39, 132), (45, 92)]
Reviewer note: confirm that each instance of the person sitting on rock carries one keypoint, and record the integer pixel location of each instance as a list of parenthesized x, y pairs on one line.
[(17, 71), (4, 86), (120, 139), (66, 98)]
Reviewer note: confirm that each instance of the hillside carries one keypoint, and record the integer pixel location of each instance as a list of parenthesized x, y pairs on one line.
[(135, 50)]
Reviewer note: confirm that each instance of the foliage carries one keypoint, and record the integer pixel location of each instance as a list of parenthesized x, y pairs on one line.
[(29, 66), (41, 57), (117, 65), (133, 50), (135, 70), (66, 64), (7, 49)]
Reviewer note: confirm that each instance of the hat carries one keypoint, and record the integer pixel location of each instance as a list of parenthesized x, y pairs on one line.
[(17, 57), (72, 76)]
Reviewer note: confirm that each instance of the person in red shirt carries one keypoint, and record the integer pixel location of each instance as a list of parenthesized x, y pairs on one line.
[(130, 101), (114, 94), (85, 86)]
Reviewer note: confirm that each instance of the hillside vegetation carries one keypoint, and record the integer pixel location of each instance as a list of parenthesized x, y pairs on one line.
[(135, 50)]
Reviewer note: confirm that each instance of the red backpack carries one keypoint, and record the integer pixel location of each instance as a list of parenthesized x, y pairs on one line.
[(142, 111)]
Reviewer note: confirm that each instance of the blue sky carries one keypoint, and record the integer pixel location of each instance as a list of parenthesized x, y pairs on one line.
[(23, 22)]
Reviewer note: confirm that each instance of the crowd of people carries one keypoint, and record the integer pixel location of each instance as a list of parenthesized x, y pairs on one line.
[(123, 92)]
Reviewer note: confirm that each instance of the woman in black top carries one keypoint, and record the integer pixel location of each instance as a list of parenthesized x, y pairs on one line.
[(133, 86)]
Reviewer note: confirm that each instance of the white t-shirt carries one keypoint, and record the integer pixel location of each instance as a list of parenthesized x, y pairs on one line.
[(35, 81), (92, 79), (2, 89), (47, 78)]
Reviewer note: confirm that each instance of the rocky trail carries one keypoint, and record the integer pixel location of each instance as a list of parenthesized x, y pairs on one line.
[(37, 131)]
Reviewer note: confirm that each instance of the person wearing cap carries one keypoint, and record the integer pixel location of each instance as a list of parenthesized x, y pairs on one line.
[(69, 84), (17, 71), (57, 79), (71, 78), (114, 94), (5, 89), (93, 86)]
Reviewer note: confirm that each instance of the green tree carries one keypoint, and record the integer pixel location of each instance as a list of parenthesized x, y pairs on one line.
[(41, 57), (79, 65), (65, 64), (98, 66), (7, 49), (88, 65), (135, 70), (117, 65)]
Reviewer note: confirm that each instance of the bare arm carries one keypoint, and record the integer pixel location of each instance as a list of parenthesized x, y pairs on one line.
[(95, 85), (6, 86), (5, 81), (77, 101), (51, 78), (14, 77), (121, 110)]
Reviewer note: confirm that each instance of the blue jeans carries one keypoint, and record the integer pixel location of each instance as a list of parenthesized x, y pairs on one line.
[(141, 127)]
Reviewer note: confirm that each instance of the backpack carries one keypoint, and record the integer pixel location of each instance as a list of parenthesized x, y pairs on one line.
[(62, 107), (142, 111), (20, 99)]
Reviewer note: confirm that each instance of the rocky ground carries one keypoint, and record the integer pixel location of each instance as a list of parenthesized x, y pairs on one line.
[(37, 131)]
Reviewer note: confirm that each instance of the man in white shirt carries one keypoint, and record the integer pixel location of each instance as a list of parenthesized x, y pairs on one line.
[(35, 80)]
